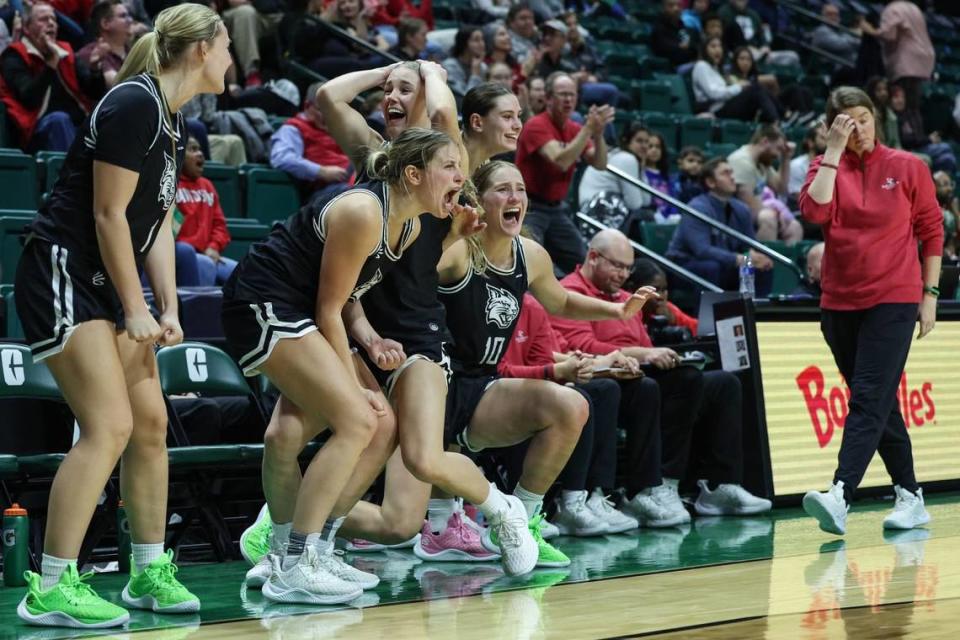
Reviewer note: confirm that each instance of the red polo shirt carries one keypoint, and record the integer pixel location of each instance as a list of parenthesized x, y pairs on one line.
[(544, 179), (600, 337)]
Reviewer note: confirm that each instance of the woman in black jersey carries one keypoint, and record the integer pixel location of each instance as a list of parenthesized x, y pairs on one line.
[(282, 316), (482, 282), (83, 311)]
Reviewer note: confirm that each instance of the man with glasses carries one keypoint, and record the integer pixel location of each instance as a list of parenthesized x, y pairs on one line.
[(690, 406), (547, 153)]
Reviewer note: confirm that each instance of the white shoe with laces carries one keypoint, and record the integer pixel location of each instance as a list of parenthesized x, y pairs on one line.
[(830, 508), (908, 512), (648, 512), (259, 573), (728, 500), (548, 530), (519, 552), (575, 519), (668, 497), (308, 582), (336, 565), (602, 507)]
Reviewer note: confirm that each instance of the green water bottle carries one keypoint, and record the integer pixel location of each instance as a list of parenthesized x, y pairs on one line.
[(16, 544), (123, 538)]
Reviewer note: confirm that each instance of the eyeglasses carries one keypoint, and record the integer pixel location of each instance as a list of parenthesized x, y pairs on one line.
[(619, 266)]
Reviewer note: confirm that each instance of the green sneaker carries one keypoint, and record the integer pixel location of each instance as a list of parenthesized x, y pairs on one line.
[(255, 540), (69, 603), (549, 556), (156, 588)]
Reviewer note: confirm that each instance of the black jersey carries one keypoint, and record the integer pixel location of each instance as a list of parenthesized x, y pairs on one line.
[(285, 267), (406, 307), (482, 312), (130, 128)]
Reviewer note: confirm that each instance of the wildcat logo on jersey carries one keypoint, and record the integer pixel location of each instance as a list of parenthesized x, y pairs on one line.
[(366, 286), (168, 183), (502, 308)]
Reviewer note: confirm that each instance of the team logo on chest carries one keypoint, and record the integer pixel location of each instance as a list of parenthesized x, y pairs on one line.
[(168, 182), (502, 307)]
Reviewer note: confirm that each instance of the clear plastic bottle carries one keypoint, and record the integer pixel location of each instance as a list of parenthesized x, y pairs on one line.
[(747, 277)]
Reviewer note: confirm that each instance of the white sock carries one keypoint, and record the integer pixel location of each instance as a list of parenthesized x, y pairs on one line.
[(532, 502), (569, 498), (330, 528), (51, 568), (673, 483), (144, 554), (495, 505), (439, 511), (280, 536)]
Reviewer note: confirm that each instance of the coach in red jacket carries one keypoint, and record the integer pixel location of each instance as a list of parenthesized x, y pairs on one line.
[(874, 204)]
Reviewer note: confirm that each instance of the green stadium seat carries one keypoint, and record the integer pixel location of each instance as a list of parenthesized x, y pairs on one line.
[(271, 195), (719, 149), (226, 180), (657, 237), (735, 131), (652, 95), (663, 124), (18, 180), (12, 328), (679, 93), (695, 131), (242, 235), (11, 228), (52, 162), (785, 280)]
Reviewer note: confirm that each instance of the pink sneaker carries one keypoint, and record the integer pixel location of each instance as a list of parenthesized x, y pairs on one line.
[(457, 543)]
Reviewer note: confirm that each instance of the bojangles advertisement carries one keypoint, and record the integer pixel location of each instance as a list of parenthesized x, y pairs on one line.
[(806, 404)]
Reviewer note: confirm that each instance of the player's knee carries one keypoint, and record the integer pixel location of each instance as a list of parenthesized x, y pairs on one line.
[(359, 425), (571, 411), (279, 442), (111, 437), (422, 464), (402, 529), (150, 428)]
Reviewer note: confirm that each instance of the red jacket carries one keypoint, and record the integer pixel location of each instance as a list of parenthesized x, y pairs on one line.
[(600, 337), (531, 349), (882, 206), (680, 319), (26, 119), (203, 223), (319, 146)]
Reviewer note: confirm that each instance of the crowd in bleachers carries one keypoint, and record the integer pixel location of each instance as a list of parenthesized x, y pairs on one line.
[(715, 103)]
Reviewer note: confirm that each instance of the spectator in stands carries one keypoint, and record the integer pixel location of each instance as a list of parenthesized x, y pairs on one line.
[(303, 148), (671, 39), (411, 39), (550, 146), (738, 16), (647, 273), (203, 227), (908, 53), (330, 56), (693, 405), (814, 144), (555, 57), (951, 212), (43, 85), (728, 98), (685, 184), (499, 46), (247, 25), (744, 67), (495, 10), (811, 288), (110, 23), (914, 138), (536, 96), (523, 33), (753, 170), (465, 66), (693, 15), (888, 129), (656, 172), (630, 157), (833, 39), (387, 15), (537, 351), (500, 73), (713, 27), (717, 257)]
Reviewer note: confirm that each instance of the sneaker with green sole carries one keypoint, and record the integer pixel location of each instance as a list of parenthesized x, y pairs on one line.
[(255, 540), (69, 603), (156, 588), (549, 555)]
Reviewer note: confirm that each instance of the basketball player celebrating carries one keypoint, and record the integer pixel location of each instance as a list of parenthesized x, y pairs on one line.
[(83, 311), (483, 280)]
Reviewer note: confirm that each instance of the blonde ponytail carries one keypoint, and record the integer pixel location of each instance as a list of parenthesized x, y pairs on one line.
[(176, 29)]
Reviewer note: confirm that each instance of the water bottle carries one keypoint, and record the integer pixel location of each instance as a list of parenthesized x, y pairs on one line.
[(16, 544), (123, 538), (747, 273)]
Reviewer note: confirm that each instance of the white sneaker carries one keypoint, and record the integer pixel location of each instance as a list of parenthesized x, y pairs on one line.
[(603, 508), (908, 510), (335, 564), (519, 552), (829, 508), (258, 575), (648, 512), (575, 519), (729, 500), (548, 530), (667, 496), (308, 582)]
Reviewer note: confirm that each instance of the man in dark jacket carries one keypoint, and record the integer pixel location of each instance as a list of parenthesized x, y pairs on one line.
[(670, 39)]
